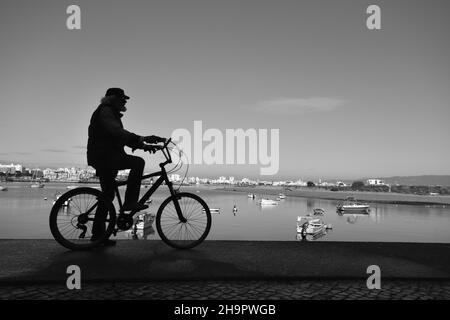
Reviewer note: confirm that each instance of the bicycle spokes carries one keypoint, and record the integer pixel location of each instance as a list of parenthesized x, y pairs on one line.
[(81, 216), (188, 230)]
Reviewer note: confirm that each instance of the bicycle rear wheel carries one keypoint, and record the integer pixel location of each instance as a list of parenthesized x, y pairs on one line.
[(76, 213), (183, 235)]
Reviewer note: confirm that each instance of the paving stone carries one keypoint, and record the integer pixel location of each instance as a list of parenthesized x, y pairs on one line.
[(231, 290)]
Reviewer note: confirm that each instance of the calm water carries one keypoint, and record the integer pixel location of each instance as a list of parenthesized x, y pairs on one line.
[(24, 214)]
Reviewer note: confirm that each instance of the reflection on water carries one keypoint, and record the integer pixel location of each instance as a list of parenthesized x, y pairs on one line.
[(24, 214), (140, 234), (310, 237)]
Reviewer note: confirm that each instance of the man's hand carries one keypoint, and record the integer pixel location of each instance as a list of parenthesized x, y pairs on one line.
[(151, 149), (153, 139)]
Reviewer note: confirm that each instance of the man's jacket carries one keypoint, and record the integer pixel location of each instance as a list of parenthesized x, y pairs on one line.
[(107, 138)]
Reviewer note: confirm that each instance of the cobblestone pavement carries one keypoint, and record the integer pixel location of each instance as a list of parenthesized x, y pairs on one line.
[(229, 290)]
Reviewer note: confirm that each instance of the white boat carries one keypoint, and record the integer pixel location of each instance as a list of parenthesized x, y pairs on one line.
[(72, 187), (252, 196), (282, 196), (37, 185), (352, 205), (2, 188), (268, 202), (143, 221), (213, 210), (311, 226), (35, 181)]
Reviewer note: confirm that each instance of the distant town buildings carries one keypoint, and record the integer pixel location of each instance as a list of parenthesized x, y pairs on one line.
[(10, 168), (74, 174), (60, 174)]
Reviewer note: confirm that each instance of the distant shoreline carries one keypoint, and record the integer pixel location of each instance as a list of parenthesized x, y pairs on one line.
[(375, 197), (272, 192)]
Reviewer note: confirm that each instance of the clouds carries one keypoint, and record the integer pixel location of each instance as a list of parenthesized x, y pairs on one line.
[(300, 105)]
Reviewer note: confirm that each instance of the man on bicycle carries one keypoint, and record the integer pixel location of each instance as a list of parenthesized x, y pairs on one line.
[(105, 152)]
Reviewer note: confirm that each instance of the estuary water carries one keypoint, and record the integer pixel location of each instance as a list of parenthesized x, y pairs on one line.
[(24, 215)]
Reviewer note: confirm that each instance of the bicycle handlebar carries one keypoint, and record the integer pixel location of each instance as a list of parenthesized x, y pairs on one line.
[(163, 148)]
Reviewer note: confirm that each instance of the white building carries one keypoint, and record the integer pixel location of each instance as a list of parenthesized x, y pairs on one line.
[(247, 181), (340, 184), (375, 182)]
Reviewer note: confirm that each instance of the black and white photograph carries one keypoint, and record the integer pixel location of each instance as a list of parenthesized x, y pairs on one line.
[(215, 158)]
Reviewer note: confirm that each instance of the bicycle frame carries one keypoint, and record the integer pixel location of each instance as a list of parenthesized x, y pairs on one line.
[(162, 178)]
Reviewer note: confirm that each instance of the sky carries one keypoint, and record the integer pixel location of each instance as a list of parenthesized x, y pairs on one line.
[(348, 102)]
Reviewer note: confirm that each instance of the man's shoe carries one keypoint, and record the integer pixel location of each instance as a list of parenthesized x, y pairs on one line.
[(135, 207)]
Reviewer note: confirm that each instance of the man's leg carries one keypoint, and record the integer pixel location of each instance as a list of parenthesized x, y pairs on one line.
[(107, 183), (136, 164)]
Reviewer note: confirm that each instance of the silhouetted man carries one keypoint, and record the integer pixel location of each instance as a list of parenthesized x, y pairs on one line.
[(105, 152)]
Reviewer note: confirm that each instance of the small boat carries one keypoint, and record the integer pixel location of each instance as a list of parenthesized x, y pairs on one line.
[(282, 196), (37, 185), (213, 210), (2, 188), (252, 196), (72, 187), (351, 205), (318, 211), (309, 226), (268, 202), (148, 201), (144, 220)]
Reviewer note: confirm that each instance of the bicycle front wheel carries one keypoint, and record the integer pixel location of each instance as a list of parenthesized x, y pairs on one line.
[(187, 234)]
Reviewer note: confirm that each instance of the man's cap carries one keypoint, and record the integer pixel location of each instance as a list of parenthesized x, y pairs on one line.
[(116, 92)]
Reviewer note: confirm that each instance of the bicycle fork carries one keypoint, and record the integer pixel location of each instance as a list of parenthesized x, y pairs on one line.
[(175, 202)]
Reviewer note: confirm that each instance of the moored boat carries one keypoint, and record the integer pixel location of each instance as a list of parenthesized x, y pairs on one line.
[(143, 221), (352, 205), (268, 202), (318, 211), (37, 185), (311, 226), (213, 210)]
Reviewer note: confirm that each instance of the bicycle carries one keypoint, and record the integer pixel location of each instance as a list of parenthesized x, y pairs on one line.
[(183, 220)]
